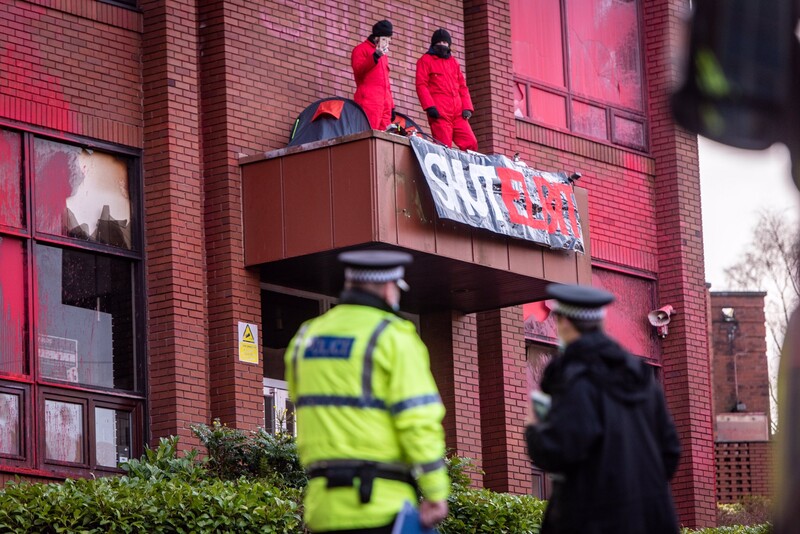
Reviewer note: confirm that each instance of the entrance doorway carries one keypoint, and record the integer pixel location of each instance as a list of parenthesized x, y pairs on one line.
[(283, 310)]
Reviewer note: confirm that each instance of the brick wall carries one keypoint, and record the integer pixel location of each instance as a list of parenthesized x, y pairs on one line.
[(503, 393), (73, 66), (681, 275), (743, 469), (177, 325), (451, 339), (280, 56), (747, 344), (622, 207), (487, 24), (234, 295)]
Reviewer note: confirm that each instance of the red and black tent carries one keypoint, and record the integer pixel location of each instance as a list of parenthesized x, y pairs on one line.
[(337, 117), (327, 118)]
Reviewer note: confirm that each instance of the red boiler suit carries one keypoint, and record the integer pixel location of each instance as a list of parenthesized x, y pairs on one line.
[(440, 83), (373, 91)]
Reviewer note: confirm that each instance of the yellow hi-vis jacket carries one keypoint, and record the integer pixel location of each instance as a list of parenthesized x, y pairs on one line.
[(361, 383)]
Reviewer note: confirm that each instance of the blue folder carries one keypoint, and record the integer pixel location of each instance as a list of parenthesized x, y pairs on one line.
[(407, 522)]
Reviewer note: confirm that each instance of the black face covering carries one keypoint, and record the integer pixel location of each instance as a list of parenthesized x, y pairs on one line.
[(442, 51)]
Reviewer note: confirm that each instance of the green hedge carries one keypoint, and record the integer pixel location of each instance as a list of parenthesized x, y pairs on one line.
[(737, 529), (473, 511), (123, 504), (165, 492)]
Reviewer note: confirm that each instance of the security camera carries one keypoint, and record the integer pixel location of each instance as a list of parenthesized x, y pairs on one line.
[(660, 319)]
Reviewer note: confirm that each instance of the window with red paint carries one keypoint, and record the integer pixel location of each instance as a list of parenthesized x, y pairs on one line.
[(13, 305), (578, 67), (64, 430), (71, 314), (85, 318), (82, 193), (10, 424), (11, 179)]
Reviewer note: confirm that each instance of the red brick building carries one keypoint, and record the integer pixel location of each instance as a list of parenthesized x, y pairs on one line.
[(740, 379), (143, 228)]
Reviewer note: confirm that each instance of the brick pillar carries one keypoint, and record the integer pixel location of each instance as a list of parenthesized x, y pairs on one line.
[(234, 294), (681, 273), (451, 339), (503, 387), (177, 325), (487, 33)]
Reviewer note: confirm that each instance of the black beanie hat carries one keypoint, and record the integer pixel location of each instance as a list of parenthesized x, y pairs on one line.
[(382, 28), (441, 35)]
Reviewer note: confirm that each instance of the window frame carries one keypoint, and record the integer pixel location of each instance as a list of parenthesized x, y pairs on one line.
[(611, 110), (89, 401), (23, 391), (32, 388)]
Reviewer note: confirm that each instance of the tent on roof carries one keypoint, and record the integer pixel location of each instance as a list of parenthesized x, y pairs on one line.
[(328, 118)]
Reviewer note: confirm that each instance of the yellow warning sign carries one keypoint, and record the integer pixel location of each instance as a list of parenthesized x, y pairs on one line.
[(248, 343), (247, 337)]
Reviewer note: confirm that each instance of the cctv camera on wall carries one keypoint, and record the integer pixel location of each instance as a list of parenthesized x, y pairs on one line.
[(660, 319)]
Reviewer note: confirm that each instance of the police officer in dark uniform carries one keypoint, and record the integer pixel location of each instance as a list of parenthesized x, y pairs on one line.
[(606, 439), (369, 416)]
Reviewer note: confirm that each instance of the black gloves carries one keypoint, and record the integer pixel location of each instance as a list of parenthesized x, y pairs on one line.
[(433, 113), (466, 114), (394, 115), (376, 56)]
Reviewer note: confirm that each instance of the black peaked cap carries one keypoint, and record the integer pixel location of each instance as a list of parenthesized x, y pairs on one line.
[(580, 296)]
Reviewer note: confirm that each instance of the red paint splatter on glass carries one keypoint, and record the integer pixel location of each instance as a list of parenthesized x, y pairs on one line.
[(12, 307), (53, 174), (10, 179)]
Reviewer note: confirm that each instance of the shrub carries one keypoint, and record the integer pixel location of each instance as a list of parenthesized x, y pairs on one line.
[(277, 459), (124, 504), (233, 454), (252, 482), (459, 469), (480, 510), (737, 529), (750, 510), (163, 463)]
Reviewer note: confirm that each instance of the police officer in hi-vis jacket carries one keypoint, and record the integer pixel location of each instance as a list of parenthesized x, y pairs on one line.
[(369, 415)]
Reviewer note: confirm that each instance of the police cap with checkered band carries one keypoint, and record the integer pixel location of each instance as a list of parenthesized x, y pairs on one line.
[(579, 302), (376, 266)]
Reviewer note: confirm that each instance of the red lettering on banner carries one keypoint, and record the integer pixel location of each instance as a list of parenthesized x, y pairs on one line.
[(509, 177), (551, 205), (566, 189)]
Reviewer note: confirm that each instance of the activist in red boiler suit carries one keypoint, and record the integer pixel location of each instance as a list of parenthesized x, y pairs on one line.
[(371, 71), (444, 96)]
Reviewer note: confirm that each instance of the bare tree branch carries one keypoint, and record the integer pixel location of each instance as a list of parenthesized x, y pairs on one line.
[(770, 263)]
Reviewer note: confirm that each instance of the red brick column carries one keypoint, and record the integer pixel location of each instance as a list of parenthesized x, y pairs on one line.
[(681, 274), (487, 32), (177, 341), (503, 388), (234, 294), (501, 341), (452, 343)]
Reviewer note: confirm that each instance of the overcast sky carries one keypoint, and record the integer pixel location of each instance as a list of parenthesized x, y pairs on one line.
[(735, 185)]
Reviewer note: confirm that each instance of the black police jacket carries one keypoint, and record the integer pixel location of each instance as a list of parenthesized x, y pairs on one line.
[(609, 442)]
